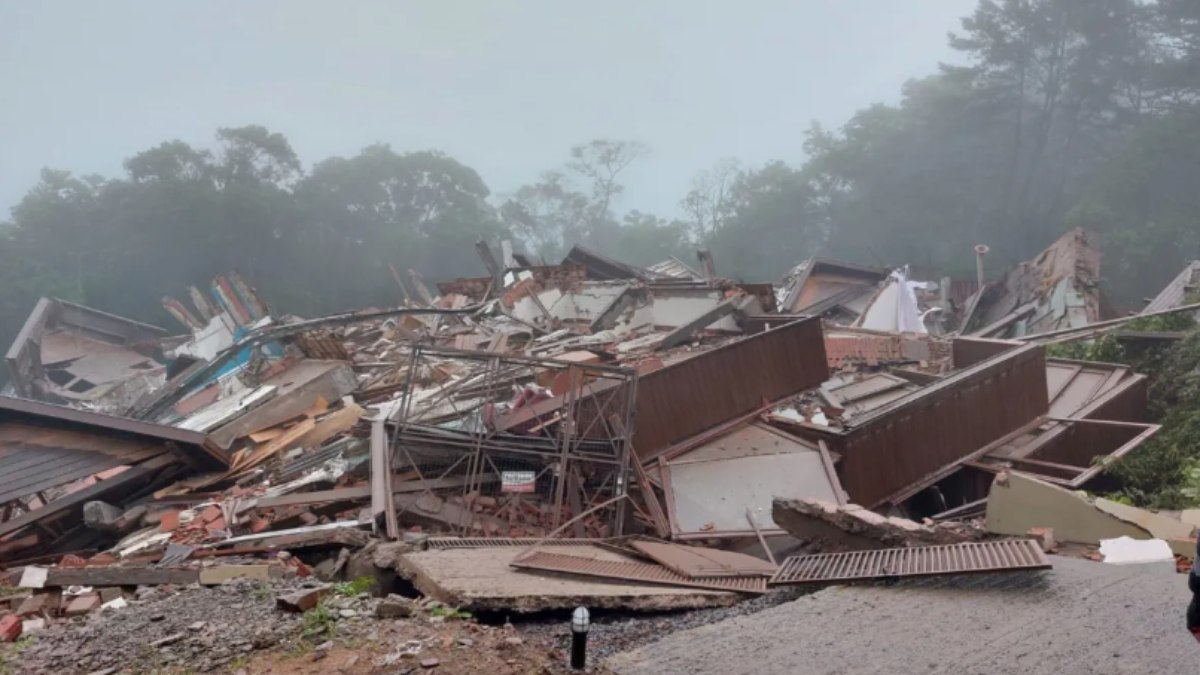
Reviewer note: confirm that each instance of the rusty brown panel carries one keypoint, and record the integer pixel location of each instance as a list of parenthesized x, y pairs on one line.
[(319, 345), (506, 542), (904, 442), (965, 558), (696, 561), (688, 397), (968, 351), (1125, 403), (194, 443), (1080, 443), (26, 468)]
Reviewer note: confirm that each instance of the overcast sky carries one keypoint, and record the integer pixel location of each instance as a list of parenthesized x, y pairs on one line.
[(506, 86)]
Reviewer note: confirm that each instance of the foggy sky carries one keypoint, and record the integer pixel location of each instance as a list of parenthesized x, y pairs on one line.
[(506, 86)]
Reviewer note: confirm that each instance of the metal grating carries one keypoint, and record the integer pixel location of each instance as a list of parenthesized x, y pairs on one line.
[(635, 571), (988, 556), (492, 542)]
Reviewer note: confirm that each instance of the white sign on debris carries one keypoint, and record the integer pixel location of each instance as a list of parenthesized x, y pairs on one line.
[(1126, 550), (517, 481)]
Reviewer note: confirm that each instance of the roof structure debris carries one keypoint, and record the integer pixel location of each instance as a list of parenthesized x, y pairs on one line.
[(588, 432)]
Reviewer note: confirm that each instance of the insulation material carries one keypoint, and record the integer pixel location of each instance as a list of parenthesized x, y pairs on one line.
[(713, 495)]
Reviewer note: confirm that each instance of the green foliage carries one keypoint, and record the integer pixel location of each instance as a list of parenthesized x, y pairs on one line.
[(1165, 471), (450, 613), (320, 622), (350, 589), (1105, 349)]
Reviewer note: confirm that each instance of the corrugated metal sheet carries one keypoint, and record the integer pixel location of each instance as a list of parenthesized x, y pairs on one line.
[(1176, 292), (971, 557), (685, 398), (27, 467), (910, 440), (195, 444), (694, 561), (505, 542), (635, 571), (318, 345)]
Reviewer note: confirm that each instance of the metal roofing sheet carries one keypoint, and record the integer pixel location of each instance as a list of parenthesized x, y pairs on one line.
[(634, 571), (694, 561), (1176, 291), (964, 558), (96, 423)]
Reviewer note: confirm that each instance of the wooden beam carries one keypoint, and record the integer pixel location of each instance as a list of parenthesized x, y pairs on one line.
[(44, 577)]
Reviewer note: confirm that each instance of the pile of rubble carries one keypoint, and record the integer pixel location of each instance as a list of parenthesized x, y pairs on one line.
[(544, 436)]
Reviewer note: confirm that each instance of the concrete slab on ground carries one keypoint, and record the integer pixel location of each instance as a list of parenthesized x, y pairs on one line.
[(1081, 617), (480, 579)]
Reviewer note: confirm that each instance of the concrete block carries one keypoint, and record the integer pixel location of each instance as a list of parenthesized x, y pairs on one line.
[(82, 604), (38, 604), (101, 516), (211, 576), (301, 601)]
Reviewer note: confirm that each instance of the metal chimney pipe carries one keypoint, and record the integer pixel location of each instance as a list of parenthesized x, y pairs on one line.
[(980, 251)]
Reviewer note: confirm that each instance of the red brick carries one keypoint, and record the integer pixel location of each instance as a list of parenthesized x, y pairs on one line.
[(71, 560), (258, 525), (210, 514), (10, 628), (102, 559), (217, 524), (169, 521), (37, 604), (82, 604)]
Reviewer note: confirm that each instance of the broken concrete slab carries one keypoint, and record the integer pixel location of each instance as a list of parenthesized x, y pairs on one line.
[(832, 528), (1018, 502), (481, 579), (211, 576), (1180, 537)]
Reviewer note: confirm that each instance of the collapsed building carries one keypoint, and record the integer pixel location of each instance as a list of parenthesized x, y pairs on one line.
[(590, 401)]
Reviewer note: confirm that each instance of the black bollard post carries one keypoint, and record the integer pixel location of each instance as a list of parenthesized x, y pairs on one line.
[(579, 633)]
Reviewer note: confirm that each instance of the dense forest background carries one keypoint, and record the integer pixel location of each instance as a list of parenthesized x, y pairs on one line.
[(1068, 113)]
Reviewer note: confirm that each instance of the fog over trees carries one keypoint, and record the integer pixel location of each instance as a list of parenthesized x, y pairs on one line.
[(1062, 113)]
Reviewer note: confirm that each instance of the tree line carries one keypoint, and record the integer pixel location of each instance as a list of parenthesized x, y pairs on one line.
[(1064, 113)]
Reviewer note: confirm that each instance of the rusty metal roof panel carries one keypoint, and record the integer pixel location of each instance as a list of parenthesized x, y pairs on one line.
[(911, 441), (688, 397), (196, 444), (506, 542), (964, 558), (635, 571), (694, 561)]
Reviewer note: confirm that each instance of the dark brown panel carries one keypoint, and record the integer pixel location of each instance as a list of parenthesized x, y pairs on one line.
[(686, 398), (916, 437)]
